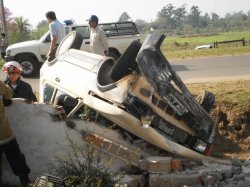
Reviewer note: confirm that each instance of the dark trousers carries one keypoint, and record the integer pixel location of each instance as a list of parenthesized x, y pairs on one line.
[(15, 158), (3, 55)]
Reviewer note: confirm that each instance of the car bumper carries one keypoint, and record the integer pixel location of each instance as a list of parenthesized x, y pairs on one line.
[(9, 58)]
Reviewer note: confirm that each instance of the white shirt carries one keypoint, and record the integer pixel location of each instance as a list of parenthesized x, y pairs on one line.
[(98, 41), (57, 30)]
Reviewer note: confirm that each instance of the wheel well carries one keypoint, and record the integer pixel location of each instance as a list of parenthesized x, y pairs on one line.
[(26, 55), (115, 51)]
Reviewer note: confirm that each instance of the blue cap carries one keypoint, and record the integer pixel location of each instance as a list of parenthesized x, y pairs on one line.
[(93, 18)]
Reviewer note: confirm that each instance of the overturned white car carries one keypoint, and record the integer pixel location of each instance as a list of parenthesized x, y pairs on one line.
[(140, 93)]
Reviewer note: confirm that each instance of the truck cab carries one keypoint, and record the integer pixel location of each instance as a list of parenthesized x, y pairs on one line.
[(32, 54)]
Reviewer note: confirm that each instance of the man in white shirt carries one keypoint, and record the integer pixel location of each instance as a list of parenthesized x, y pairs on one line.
[(98, 39), (56, 28)]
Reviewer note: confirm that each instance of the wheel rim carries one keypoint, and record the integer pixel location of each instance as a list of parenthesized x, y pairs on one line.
[(27, 67), (66, 44)]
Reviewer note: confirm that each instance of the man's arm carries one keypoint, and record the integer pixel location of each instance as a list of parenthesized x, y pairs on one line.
[(104, 41), (53, 43)]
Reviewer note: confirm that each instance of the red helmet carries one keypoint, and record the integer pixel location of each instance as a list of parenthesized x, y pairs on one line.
[(12, 67)]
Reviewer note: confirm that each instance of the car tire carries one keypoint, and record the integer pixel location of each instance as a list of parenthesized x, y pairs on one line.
[(206, 99), (113, 55), (29, 65), (126, 60), (72, 41)]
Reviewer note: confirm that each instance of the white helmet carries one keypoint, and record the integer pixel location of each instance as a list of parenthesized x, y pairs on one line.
[(12, 66)]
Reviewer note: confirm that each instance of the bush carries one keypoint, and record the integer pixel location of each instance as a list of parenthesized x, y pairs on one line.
[(82, 168)]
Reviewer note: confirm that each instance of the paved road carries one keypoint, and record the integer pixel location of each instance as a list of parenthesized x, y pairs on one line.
[(204, 69), (196, 70)]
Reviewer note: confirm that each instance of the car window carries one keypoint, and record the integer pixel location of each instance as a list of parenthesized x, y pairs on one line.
[(48, 91), (83, 30), (67, 30), (66, 101), (48, 39)]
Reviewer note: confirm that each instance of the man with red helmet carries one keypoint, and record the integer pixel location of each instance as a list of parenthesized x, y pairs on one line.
[(8, 142), (20, 88)]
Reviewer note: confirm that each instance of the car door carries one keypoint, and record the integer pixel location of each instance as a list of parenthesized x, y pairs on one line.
[(44, 44)]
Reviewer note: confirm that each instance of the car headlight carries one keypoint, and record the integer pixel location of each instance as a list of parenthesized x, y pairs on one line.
[(8, 53), (200, 146)]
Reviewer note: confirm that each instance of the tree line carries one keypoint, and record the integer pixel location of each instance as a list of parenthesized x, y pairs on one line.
[(170, 20), (180, 21)]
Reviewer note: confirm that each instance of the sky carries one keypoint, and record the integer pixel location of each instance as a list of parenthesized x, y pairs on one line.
[(111, 10)]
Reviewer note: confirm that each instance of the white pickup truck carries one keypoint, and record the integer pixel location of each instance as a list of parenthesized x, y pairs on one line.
[(32, 54)]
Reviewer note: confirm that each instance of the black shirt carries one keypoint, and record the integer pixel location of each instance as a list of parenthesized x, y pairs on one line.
[(22, 90)]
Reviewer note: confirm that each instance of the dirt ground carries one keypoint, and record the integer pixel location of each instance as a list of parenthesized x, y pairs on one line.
[(233, 135)]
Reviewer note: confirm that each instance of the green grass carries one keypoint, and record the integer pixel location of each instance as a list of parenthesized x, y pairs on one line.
[(191, 53), (233, 96), (1, 63), (183, 47)]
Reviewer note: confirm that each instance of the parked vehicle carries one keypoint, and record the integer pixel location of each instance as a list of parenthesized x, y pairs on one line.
[(204, 47), (32, 54)]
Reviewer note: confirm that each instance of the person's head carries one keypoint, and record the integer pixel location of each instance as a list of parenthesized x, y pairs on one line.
[(13, 69), (51, 16), (3, 35), (93, 21)]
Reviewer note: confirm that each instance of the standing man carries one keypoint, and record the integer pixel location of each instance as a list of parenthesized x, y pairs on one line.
[(4, 45), (8, 142), (98, 39), (56, 29)]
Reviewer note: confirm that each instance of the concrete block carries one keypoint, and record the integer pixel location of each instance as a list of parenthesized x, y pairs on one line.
[(156, 164), (169, 180)]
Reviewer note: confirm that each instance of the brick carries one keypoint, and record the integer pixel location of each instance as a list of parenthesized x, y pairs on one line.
[(156, 164), (169, 180), (176, 165)]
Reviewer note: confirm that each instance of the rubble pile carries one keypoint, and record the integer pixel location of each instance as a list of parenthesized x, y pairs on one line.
[(171, 172), (167, 171)]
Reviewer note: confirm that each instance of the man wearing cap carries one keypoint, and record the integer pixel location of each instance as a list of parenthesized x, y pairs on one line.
[(98, 39)]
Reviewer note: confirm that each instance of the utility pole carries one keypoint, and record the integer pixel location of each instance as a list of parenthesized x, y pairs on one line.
[(4, 27)]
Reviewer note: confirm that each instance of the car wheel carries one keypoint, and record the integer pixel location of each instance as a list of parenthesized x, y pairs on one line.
[(113, 55), (72, 41), (125, 61), (29, 65), (206, 99)]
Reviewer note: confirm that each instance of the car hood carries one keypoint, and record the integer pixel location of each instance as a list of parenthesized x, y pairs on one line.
[(24, 44)]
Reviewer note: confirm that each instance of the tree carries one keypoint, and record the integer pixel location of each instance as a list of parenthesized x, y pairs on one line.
[(124, 17), (215, 16), (166, 17), (166, 11), (8, 18), (41, 28), (22, 29), (194, 16), (21, 24), (142, 25)]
